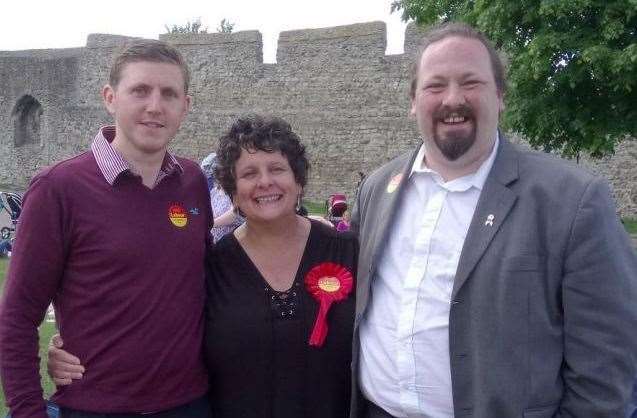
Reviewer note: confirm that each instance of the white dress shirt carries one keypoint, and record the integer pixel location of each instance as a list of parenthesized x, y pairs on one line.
[(404, 336)]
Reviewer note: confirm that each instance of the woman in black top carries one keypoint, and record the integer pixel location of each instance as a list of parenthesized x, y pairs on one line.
[(257, 338), (268, 281), (280, 293)]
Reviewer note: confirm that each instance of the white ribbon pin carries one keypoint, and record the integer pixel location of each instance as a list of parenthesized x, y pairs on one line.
[(489, 221)]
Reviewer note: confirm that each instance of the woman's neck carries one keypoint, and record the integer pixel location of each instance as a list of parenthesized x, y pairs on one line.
[(275, 248), (267, 234)]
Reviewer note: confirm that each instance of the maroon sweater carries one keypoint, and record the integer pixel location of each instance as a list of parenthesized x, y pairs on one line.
[(124, 267)]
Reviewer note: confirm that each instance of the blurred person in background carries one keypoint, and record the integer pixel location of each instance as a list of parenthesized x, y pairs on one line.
[(226, 217)]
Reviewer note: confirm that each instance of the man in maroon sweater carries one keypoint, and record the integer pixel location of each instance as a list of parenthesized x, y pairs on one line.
[(115, 238)]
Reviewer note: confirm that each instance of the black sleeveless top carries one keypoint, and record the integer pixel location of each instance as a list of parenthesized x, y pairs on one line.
[(257, 339)]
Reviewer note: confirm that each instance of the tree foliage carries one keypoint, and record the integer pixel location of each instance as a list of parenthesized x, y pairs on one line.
[(225, 26), (572, 65), (196, 27), (193, 27)]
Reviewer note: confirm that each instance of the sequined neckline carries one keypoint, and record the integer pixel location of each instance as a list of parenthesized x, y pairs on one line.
[(284, 303)]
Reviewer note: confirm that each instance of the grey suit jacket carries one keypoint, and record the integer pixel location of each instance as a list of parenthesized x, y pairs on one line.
[(543, 319)]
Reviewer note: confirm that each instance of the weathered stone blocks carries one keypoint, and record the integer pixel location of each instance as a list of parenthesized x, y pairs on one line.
[(347, 100)]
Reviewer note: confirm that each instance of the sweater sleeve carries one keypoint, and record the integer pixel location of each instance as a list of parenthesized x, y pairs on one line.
[(33, 277)]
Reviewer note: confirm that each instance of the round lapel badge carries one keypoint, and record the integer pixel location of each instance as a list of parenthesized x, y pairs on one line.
[(393, 183), (177, 215)]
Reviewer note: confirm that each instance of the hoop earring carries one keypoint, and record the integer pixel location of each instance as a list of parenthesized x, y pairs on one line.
[(237, 210)]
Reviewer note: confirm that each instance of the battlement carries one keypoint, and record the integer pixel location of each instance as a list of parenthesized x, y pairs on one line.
[(221, 39), (360, 40), (364, 41), (103, 40), (342, 94)]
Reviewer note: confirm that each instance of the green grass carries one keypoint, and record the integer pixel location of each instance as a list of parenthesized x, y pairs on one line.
[(4, 264), (631, 225), (314, 208), (47, 329)]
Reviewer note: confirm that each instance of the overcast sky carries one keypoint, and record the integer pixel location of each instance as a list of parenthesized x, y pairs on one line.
[(37, 24)]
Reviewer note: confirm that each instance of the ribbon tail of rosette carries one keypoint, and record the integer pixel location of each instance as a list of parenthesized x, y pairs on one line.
[(319, 332)]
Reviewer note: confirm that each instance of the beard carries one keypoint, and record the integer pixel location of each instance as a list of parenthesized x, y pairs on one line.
[(455, 143)]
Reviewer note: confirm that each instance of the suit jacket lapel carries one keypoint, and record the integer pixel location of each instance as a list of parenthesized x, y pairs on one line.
[(388, 207), (495, 203), (384, 214)]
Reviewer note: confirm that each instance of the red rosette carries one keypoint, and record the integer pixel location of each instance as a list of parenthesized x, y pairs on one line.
[(327, 283)]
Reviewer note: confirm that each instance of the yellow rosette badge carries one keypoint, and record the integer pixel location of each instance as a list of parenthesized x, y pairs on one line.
[(329, 284)]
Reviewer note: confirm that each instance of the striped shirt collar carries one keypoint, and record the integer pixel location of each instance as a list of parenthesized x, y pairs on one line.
[(112, 163)]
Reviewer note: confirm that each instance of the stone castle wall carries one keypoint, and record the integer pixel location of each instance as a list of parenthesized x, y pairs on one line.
[(346, 99)]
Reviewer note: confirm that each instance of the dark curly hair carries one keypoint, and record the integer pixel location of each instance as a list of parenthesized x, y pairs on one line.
[(259, 133)]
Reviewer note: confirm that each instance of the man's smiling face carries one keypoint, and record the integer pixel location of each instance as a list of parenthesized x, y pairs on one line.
[(456, 102), (148, 104)]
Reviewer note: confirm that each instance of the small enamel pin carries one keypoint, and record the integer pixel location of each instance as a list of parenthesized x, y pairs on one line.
[(393, 183), (489, 221)]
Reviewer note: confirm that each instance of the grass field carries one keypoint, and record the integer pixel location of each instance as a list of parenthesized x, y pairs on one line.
[(47, 329), (315, 208), (631, 225)]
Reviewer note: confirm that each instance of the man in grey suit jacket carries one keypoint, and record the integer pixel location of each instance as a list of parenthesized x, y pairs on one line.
[(493, 282)]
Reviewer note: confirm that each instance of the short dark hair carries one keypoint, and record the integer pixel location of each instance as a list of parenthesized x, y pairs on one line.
[(259, 133), (151, 50), (462, 30)]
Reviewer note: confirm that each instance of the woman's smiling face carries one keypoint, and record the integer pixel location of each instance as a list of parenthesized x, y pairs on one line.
[(266, 187)]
